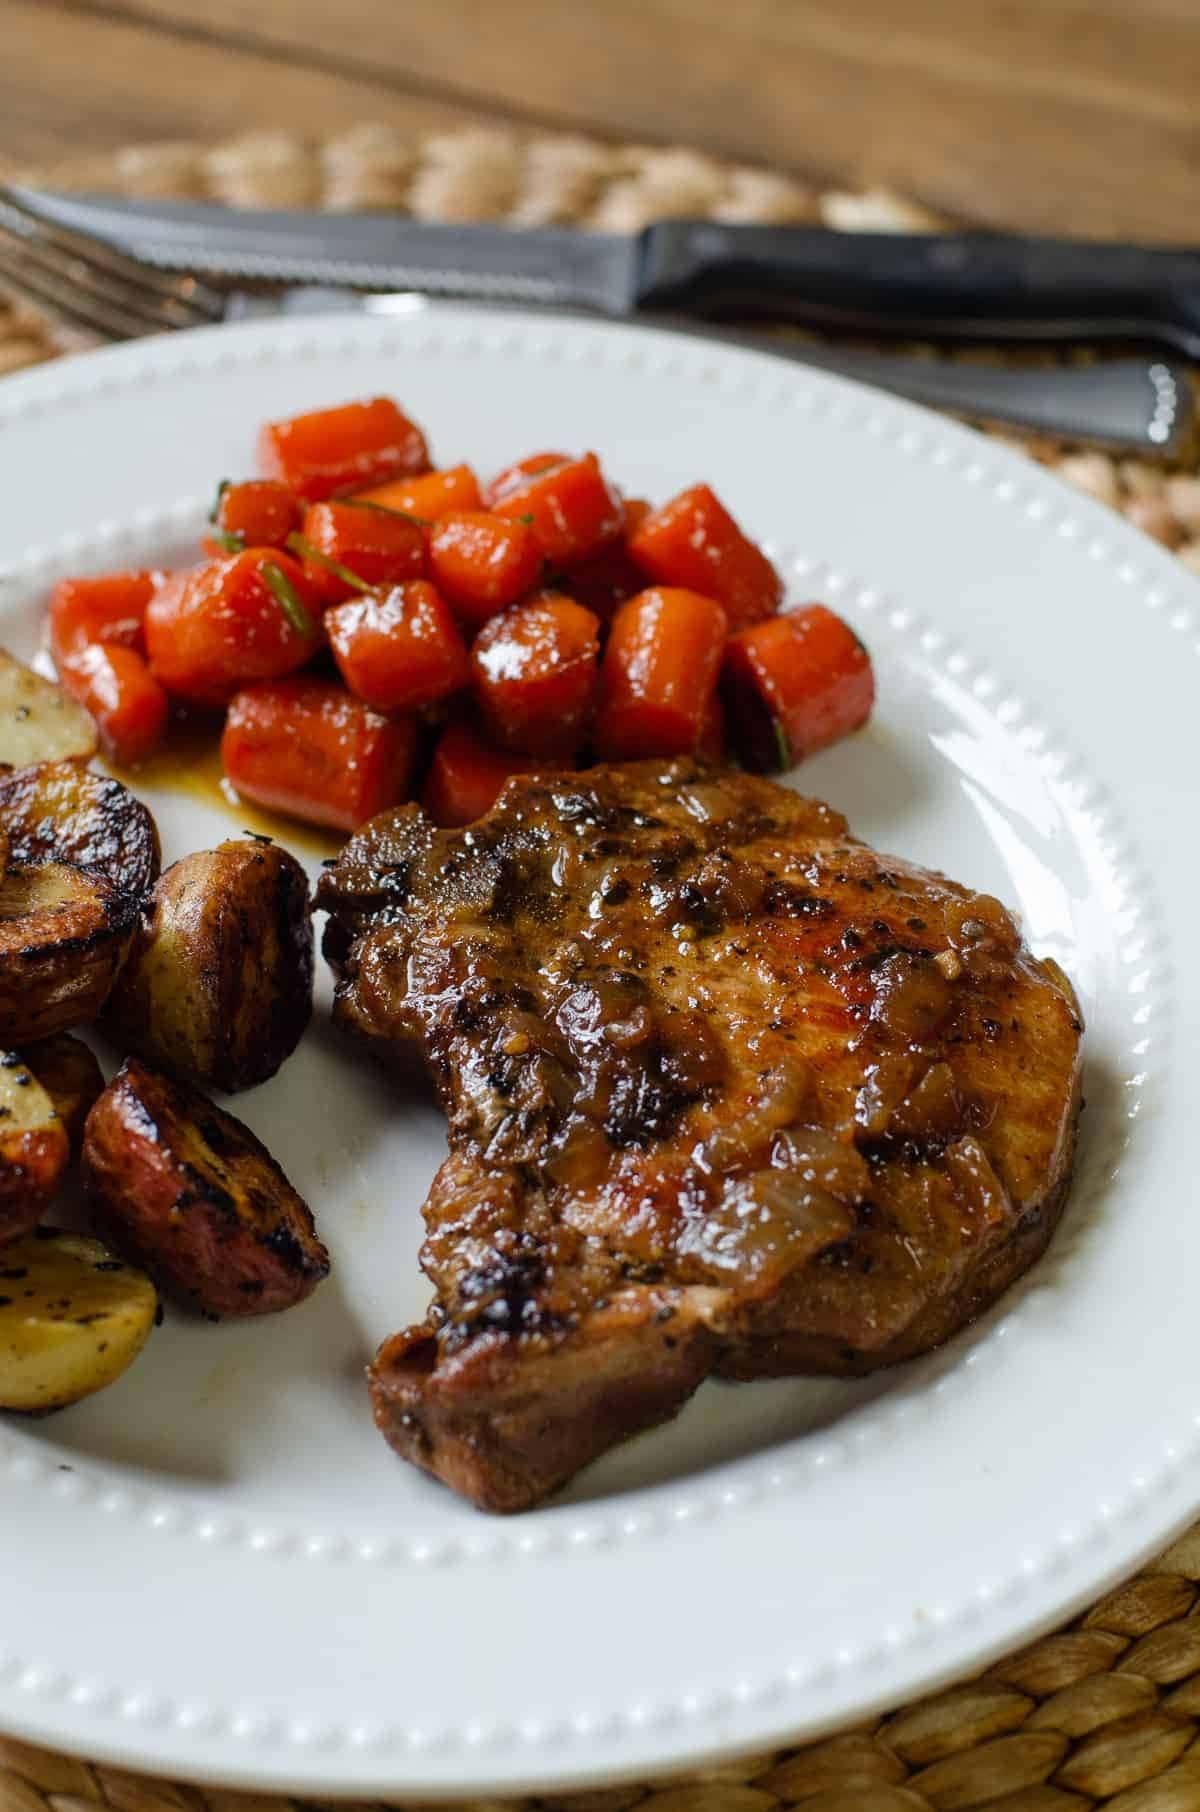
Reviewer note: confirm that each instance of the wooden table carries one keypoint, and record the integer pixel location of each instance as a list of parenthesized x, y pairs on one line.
[(1058, 115)]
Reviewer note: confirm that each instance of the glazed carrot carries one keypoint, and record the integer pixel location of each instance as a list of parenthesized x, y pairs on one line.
[(399, 649), (793, 685), (659, 675), (377, 546), (534, 669), (215, 628), (466, 776), (515, 477), (109, 609), (336, 451), (693, 541), (114, 684), (430, 497), (304, 747), (259, 512), (483, 562), (572, 509)]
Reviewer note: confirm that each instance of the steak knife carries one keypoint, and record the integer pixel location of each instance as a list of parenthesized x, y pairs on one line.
[(969, 286), (955, 285)]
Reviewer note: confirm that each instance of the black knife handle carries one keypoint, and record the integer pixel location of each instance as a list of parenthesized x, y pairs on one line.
[(957, 285)]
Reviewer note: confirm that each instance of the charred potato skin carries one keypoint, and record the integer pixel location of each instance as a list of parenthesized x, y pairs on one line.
[(63, 937), (59, 811), (218, 986), (184, 1190), (68, 1071), (34, 1149)]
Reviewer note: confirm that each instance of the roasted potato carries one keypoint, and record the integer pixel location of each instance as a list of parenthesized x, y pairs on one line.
[(72, 1319), (63, 935), (218, 986), (59, 811), (187, 1192), (70, 1075), (38, 721), (34, 1149)]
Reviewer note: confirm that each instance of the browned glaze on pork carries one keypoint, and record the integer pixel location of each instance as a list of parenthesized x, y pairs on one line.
[(727, 1091)]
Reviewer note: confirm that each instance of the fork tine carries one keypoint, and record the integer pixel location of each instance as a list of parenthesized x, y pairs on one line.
[(177, 301), (63, 297), (52, 265)]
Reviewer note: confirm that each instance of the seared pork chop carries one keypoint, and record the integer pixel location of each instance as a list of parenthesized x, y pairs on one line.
[(728, 1092)]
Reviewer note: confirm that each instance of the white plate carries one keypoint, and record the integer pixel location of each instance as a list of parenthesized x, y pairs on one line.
[(218, 1570)]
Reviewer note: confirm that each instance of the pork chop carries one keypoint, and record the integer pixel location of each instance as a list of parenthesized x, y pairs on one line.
[(727, 1092)]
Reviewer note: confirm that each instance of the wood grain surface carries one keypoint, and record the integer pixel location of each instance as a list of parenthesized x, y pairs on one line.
[(1056, 115)]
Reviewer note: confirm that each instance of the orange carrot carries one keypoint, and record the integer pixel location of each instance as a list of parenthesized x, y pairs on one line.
[(793, 685), (375, 546), (213, 629), (466, 776), (110, 608), (482, 562), (534, 669), (399, 649), (114, 684), (334, 451), (304, 747), (258, 512), (572, 509), (430, 497), (693, 541), (659, 674)]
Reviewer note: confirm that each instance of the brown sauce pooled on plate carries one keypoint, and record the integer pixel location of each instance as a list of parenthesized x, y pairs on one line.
[(191, 764)]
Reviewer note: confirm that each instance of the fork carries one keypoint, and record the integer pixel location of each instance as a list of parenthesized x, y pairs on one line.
[(1130, 405), (92, 285)]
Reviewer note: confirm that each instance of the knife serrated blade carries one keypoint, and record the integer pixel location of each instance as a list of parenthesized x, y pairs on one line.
[(548, 266)]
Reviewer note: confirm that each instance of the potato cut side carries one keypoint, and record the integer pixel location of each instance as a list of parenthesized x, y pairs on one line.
[(186, 1191), (63, 935), (218, 985), (38, 720), (34, 1148), (60, 811), (73, 1317), (67, 1069)]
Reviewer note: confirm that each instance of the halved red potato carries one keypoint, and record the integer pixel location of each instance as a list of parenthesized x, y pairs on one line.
[(188, 1193)]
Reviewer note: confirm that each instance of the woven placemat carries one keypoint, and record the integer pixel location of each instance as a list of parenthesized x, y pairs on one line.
[(1106, 1711)]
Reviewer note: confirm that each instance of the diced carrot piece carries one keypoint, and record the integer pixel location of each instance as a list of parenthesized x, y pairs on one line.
[(338, 451), (483, 562), (258, 512), (466, 776), (303, 746), (572, 509), (399, 649), (114, 684), (535, 672), (694, 542), (431, 497), (377, 547), (515, 477), (793, 685), (219, 626), (109, 609), (660, 671)]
